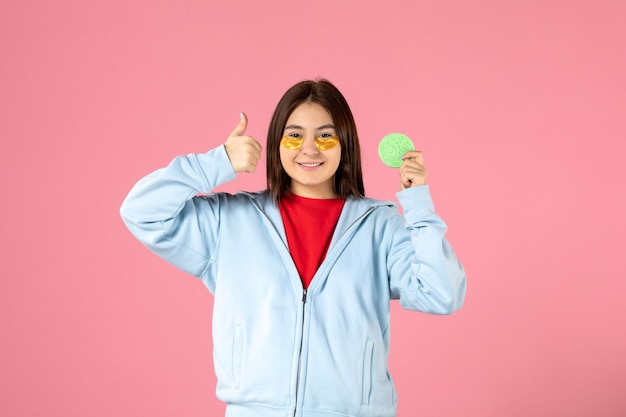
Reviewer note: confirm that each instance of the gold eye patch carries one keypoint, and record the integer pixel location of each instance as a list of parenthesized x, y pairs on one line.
[(323, 144)]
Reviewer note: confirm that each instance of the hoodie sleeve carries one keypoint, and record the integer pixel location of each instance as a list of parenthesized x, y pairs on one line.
[(424, 271), (164, 213)]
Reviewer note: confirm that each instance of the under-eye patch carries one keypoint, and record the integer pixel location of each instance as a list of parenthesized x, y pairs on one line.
[(321, 143)]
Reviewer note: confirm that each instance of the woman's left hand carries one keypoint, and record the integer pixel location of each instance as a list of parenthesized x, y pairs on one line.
[(413, 172)]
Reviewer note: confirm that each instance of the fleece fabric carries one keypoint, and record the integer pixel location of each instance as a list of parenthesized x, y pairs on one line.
[(281, 351)]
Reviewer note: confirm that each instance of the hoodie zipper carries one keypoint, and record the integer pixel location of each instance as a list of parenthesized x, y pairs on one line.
[(300, 352), (304, 295), (286, 258)]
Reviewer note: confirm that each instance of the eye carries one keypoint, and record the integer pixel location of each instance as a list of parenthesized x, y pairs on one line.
[(325, 135), (294, 135)]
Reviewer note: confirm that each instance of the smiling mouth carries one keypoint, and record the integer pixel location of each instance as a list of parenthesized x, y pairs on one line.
[(310, 165)]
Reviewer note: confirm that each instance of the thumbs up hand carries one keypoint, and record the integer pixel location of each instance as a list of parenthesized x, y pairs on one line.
[(243, 151)]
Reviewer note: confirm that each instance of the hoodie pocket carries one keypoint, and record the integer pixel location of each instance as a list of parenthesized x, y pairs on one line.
[(237, 354), (366, 387)]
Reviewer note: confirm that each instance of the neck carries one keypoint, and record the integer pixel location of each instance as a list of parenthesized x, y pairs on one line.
[(321, 193)]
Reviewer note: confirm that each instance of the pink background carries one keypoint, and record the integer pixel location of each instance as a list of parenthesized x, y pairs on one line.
[(518, 105)]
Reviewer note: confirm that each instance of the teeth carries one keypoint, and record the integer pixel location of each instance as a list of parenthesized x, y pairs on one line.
[(311, 165)]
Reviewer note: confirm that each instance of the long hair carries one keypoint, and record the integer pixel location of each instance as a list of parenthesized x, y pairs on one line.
[(348, 178)]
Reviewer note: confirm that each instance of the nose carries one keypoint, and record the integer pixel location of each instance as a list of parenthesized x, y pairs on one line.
[(308, 147)]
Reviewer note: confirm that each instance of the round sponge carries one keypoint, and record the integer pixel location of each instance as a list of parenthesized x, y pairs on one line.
[(392, 148)]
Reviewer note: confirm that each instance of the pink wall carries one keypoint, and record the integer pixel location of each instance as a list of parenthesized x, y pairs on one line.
[(518, 105)]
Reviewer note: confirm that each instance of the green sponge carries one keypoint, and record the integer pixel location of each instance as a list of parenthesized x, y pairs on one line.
[(392, 148)]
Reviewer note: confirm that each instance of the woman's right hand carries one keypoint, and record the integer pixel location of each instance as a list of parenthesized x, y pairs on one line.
[(243, 151)]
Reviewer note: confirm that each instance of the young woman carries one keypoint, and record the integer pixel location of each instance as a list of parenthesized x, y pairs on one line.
[(302, 273)]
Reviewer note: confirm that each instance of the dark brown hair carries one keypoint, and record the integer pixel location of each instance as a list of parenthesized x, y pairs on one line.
[(349, 177)]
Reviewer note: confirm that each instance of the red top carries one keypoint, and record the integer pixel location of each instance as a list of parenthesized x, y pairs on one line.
[(309, 226)]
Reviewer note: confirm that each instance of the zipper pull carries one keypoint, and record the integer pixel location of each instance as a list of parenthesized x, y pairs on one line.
[(304, 296)]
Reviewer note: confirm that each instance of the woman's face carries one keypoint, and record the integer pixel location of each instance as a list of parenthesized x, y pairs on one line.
[(312, 171)]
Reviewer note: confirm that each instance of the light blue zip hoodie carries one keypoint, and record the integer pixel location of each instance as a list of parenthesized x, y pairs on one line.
[(280, 351)]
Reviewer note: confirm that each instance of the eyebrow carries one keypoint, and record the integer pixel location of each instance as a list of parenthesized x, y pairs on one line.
[(327, 126)]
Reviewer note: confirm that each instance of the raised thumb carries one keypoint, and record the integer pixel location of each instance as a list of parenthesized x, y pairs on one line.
[(241, 127)]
